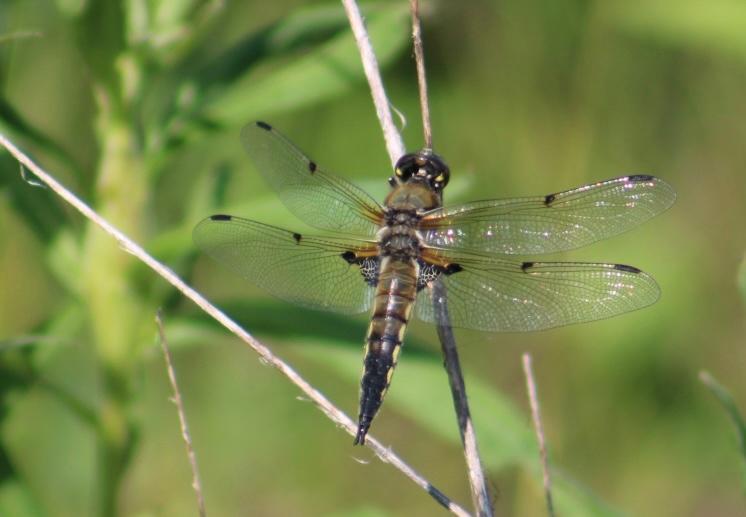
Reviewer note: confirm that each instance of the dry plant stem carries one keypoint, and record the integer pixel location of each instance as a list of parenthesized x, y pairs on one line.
[(331, 411), (395, 148), (477, 481), (533, 400), (394, 144), (196, 484), (419, 57)]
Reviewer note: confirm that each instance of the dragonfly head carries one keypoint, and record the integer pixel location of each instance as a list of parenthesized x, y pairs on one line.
[(423, 166)]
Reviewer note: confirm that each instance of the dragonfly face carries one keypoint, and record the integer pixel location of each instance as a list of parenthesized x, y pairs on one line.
[(425, 167), (386, 258)]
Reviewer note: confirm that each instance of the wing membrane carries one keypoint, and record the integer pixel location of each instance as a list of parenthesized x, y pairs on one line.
[(320, 198), (305, 270), (496, 295), (547, 224)]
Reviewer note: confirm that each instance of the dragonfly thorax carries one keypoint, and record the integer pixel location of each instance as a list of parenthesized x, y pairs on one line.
[(399, 241)]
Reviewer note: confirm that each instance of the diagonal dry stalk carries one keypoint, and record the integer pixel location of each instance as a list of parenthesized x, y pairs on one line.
[(329, 409), (477, 480)]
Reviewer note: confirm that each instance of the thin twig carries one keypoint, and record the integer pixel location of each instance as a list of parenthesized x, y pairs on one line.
[(329, 409), (394, 143), (533, 400), (419, 57), (196, 484), (477, 480)]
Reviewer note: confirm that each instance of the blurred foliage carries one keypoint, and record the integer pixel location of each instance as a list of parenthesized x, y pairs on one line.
[(137, 106), (729, 405)]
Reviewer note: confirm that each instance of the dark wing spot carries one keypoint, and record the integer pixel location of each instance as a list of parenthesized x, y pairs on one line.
[(220, 217), (549, 199), (264, 125), (452, 268), (350, 257), (640, 177), (628, 269), (526, 266), (312, 167), (297, 237)]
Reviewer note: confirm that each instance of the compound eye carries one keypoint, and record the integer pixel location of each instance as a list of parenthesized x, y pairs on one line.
[(441, 180), (398, 172)]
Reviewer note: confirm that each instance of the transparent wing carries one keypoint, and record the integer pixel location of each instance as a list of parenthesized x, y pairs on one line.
[(494, 295), (321, 199), (547, 224), (309, 271)]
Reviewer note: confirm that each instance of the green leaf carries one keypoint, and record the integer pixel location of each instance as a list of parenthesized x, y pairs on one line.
[(298, 30), (65, 260), (16, 499), (11, 121), (715, 26), (729, 405), (328, 70), (421, 392), (72, 8)]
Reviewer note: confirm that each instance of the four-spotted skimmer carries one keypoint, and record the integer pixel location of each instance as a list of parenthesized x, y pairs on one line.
[(386, 258)]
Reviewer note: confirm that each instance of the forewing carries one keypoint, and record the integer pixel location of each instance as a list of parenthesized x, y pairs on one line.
[(321, 199), (306, 270), (551, 223), (509, 296)]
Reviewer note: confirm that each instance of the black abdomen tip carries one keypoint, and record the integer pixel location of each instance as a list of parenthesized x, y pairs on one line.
[(362, 431), (220, 217), (263, 125), (628, 269)]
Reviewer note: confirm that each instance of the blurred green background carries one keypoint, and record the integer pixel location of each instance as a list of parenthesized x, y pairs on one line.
[(137, 107)]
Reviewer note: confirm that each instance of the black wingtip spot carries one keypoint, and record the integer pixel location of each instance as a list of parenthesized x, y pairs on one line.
[(640, 178), (220, 217), (452, 268), (350, 257), (312, 167), (549, 199), (297, 237), (527, 265), (263, 125), (628, 269)]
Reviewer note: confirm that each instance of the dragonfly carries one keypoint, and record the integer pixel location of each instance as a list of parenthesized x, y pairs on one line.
[(397, 259)]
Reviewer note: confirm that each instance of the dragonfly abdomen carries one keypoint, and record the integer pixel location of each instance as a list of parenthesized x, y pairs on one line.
[(395, 295)]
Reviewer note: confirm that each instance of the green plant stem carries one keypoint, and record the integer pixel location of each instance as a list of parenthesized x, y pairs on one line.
[(116, 315), (115, 441)]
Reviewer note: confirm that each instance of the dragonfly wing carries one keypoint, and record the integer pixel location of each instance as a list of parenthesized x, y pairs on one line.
[(495, 295), (315, 272), (321, 199), (551, 223)]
